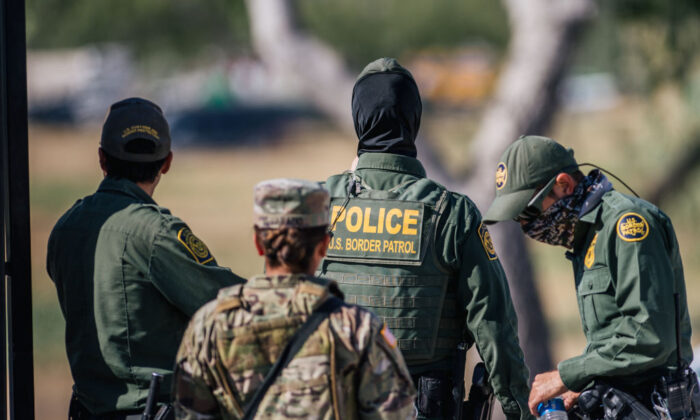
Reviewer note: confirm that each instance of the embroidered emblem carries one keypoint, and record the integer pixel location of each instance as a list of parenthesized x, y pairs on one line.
[(590, 254), (388, 336), (486, 241), (501, 175), (632, 227), (140, 129), (194, 246)]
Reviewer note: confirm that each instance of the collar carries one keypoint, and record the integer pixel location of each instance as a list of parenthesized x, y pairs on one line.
[(592, 206), (583, 226), (281, 280), (125, 187), (592, 215), (594, 195), (391, 162)]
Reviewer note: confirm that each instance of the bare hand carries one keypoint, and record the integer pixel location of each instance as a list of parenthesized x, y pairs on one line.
[(545, 386), (570, 398)]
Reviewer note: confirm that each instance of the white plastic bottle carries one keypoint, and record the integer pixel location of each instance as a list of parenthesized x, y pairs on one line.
[(552, 410)]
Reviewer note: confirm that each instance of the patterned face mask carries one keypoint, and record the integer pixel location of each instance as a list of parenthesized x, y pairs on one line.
[(555, 226)]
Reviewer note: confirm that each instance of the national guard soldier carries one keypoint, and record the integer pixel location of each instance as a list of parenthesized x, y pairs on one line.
[(627, 268), (418, 255), (284, 345), (129, 274)]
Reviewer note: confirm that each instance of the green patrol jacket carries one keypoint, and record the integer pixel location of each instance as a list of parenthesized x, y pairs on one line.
[(626, 268), (129, 275), (419, 256), (349, 368)]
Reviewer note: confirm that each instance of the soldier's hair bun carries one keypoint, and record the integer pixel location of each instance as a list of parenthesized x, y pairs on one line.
[(292, 247)]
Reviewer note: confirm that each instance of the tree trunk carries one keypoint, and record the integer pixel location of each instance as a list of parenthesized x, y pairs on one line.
[(314, 68), (543, 38), (678, 174), (544, 34)]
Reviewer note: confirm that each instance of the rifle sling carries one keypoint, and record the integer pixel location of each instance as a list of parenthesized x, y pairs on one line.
[(290, 350)]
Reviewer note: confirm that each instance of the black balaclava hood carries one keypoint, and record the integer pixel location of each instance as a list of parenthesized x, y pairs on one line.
[(386, 109)]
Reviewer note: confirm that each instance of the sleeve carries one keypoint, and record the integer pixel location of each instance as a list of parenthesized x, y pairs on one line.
[(193, 397), (643, 334), (385, 388), (490, 316), (184, 270)]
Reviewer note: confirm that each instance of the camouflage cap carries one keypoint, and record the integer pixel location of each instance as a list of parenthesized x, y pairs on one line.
[(525, 165), (288, 202)]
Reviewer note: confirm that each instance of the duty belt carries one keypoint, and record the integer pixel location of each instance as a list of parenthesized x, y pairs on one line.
[(77, 411)]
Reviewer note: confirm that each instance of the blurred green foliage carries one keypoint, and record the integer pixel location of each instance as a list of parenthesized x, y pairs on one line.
[(362, 30), (180, 27), (646, 9), (645, 43)]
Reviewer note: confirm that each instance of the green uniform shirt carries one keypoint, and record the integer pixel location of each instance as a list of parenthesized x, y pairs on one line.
[(627, 268), (349, 368), (129, 275), (464, 249)]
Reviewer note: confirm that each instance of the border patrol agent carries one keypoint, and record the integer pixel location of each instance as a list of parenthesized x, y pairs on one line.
[(626, 263), (418, 255), (284, 345), (128, 273)]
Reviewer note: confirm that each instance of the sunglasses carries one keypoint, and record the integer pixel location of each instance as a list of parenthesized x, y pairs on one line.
[(534, 207)]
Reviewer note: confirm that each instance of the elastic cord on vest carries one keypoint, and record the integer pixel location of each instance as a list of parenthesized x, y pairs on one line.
[(353, 189), (612, 175)]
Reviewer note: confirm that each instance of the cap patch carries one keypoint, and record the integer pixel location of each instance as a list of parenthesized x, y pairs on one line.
[(501, 175), (194, 246), (388, 337), (632, 227), (140, 129), (590, 254), (486, 241)]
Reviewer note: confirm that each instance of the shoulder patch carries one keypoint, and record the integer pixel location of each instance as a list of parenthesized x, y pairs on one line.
[(590, 254), (501, 175), (194, 246), (388, 336), (486, 241), (632, 227)]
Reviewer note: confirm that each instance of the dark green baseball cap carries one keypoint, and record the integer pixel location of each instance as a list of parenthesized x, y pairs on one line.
[(132, 119), (526, 165)]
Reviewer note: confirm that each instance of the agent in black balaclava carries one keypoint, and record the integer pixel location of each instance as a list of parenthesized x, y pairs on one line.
[(386, 109)]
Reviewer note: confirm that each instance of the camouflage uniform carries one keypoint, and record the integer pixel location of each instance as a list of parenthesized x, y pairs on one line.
[(348, 368)]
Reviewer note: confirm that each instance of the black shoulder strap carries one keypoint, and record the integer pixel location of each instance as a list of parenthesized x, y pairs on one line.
[(290, 350)]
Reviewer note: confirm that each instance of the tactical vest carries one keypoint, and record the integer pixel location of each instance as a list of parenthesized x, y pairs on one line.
[(382, 254), (254, 347)]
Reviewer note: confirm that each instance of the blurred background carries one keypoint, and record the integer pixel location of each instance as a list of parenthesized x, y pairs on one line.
[(261, 89)]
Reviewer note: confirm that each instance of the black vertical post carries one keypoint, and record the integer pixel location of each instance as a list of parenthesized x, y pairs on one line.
[(15, 202), (3, 189)]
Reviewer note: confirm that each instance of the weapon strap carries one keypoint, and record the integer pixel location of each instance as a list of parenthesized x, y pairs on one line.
[(290, 350)]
